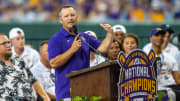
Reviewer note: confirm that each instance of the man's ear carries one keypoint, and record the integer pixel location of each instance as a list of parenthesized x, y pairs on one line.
[(150, 39), (40, 53), (10, 40), (60, 20)]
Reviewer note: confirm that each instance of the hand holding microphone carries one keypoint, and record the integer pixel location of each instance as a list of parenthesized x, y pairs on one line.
[(77, 41), (76, 45)]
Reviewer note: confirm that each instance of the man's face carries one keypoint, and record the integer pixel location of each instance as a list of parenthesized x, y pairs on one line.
[(44, 52), (5, 47), (18, 42), (118, 36), (157, 40), (68, 18), (167, 37), (113, 51)]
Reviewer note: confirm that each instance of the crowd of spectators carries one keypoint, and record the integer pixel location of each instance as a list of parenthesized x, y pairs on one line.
[(38, 71), (138, 11)]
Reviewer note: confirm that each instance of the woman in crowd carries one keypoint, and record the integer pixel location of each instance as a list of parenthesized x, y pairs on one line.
[(113, 50)]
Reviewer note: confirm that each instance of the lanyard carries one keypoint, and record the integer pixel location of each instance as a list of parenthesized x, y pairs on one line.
[(160, 64)]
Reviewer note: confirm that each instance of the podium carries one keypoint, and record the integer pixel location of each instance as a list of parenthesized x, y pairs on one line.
[(101, 80)]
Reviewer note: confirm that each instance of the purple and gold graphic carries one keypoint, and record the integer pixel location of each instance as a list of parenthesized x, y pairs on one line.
[(137, 81)]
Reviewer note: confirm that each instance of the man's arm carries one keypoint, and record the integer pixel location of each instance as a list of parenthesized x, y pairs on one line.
[(53, 97), (40, 91), (103, 48), (176, 76), (45, 81), (64, 57)]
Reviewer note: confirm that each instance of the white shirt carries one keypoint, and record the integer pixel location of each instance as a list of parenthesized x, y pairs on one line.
[(177, 57), (164, 72), (170, 49), (169, 65), (29, 55), (44, 76), (98, 59)]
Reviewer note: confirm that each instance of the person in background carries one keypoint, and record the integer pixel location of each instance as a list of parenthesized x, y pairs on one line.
[(119, 32), (44, 73), (69, 52), (95, 58), (167, 71), (17, 82), (177, 56), (113, 51), (129, 43), (166, 46), (29, 55)]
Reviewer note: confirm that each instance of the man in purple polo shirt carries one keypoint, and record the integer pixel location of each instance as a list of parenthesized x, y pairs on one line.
[(69, 53)]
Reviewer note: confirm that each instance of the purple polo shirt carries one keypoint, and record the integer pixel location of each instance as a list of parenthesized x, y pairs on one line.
[(59, 44)]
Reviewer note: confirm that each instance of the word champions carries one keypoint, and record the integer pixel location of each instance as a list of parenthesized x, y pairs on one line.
[(137, 81)]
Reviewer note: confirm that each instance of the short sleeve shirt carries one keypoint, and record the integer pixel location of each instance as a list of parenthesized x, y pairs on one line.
[(45, 77), (177, 57), (59, 44), (16, 82), (170, 49), (169, 65), (30, 56)]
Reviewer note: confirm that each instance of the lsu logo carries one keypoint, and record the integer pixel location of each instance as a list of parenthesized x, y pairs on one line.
[(137, 81)]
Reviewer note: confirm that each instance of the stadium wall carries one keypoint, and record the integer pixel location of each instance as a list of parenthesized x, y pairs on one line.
[(37, 32)]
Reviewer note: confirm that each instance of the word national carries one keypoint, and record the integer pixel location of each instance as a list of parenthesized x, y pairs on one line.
[(137, 79)]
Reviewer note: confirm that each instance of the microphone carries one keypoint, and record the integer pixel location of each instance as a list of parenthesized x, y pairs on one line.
[(74, 30)]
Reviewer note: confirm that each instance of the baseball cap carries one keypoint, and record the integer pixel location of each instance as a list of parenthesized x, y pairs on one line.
[(119, 28), (156, 31), (166, 27), (91, 33), (14, 32)]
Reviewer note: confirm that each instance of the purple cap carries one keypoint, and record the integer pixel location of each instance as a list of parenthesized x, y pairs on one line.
[(156, 31)]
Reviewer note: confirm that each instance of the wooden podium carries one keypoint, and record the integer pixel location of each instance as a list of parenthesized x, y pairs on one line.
[(100, 80)]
